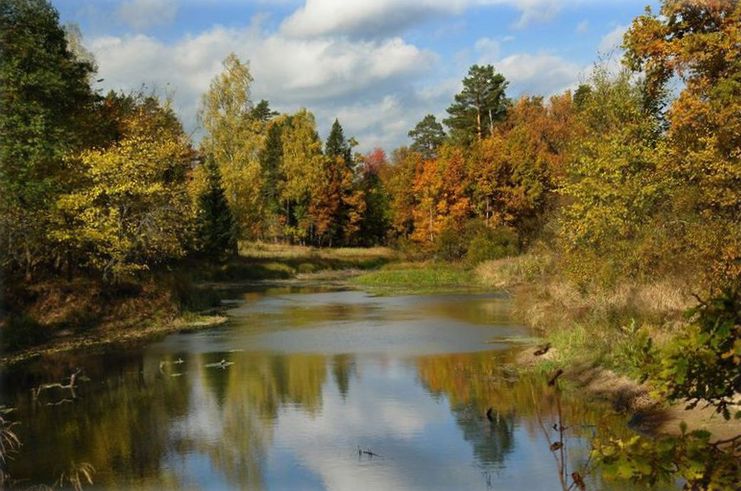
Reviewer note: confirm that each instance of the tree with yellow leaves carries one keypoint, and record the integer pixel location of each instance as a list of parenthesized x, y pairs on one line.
[(235, 139), (127, 214)]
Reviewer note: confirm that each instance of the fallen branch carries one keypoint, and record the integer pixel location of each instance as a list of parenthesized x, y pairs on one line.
[(57, 385)]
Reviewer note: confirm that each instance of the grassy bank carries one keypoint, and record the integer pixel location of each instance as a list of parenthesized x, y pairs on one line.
[(60, 314), (405, 278), (259, 261), (604, 326)]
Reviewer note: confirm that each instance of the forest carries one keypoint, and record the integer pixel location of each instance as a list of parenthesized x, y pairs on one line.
[(631, 180)]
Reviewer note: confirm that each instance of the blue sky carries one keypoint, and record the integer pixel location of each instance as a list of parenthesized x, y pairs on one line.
[(377, 65)]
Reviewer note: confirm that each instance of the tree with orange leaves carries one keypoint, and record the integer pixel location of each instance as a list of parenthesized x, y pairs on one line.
[(698, 42), (441, 185), (514, 172)]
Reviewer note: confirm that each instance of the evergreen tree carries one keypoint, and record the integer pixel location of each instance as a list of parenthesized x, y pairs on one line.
[(479, 105), (337, 145), (270, 161), (427, 136), (215, 227), (262, 112)]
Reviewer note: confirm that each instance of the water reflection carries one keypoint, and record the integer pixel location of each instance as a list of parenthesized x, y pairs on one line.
[(307, 381)]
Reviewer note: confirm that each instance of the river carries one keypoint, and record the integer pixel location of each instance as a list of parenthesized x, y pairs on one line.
[(306, 388)]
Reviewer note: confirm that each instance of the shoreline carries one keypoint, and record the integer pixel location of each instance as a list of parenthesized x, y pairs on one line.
[(646, 413), (109, 336)]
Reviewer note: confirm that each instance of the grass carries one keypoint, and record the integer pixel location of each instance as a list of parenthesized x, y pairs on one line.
[(417, 278), (265, 261), (597, 325)]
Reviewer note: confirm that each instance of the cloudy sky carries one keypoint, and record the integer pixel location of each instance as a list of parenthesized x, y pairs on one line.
[(377, 65)]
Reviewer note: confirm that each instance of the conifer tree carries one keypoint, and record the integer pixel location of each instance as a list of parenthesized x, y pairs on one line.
[(428, 135), (479, 105), (215, 224), (337, 145)]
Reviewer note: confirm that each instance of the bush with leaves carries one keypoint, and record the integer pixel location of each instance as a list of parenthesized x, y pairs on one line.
[(702, 463), (703, 365), (492, 244)]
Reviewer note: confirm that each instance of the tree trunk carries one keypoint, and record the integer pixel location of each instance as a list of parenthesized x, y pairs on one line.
[(478, 121)]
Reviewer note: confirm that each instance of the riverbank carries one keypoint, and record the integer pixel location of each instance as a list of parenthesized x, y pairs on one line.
[(596, 336), (603, 326), (58, 314), (644, 410)]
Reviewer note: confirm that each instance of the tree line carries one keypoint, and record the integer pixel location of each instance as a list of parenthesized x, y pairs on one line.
[(634, 173)]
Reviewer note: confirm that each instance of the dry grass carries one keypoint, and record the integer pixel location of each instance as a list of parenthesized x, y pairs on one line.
[(266, 250), (510, 272), (607, 325)]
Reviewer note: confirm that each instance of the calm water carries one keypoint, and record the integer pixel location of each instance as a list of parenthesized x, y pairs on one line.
[(309, 378)]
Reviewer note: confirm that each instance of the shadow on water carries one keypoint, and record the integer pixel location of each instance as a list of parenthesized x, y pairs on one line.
[(262, 404)]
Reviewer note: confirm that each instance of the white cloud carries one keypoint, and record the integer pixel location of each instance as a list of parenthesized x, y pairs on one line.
[(364, 18), (324, 74), (534, 11), (612, 40), (610, 49), (488, 47), (582, 27), (540, 74), (341, 59), (142, 14)]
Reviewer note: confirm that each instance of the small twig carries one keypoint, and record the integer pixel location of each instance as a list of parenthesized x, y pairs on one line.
[(367, 452), (59, 402)]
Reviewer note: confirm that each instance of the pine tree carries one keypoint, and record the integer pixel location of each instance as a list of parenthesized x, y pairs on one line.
[(337, 145), (427, 136), (270, 160), (215, 224), (262, 112), (479, 105)]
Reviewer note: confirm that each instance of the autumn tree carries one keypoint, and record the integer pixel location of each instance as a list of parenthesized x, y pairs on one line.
[(374, 222), (130, 211), (336, 199), (515, 171), (441, 187), (698, 42), (427, 136), (397, 179), (612, 185), (45, 99), (301, 173), (235, 140), (480, 104)]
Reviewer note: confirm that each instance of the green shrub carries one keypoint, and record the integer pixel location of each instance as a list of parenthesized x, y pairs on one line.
[(492, 244), (451, 245)]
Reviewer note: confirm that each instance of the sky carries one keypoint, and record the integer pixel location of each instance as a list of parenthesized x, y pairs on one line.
[(379, 66)]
